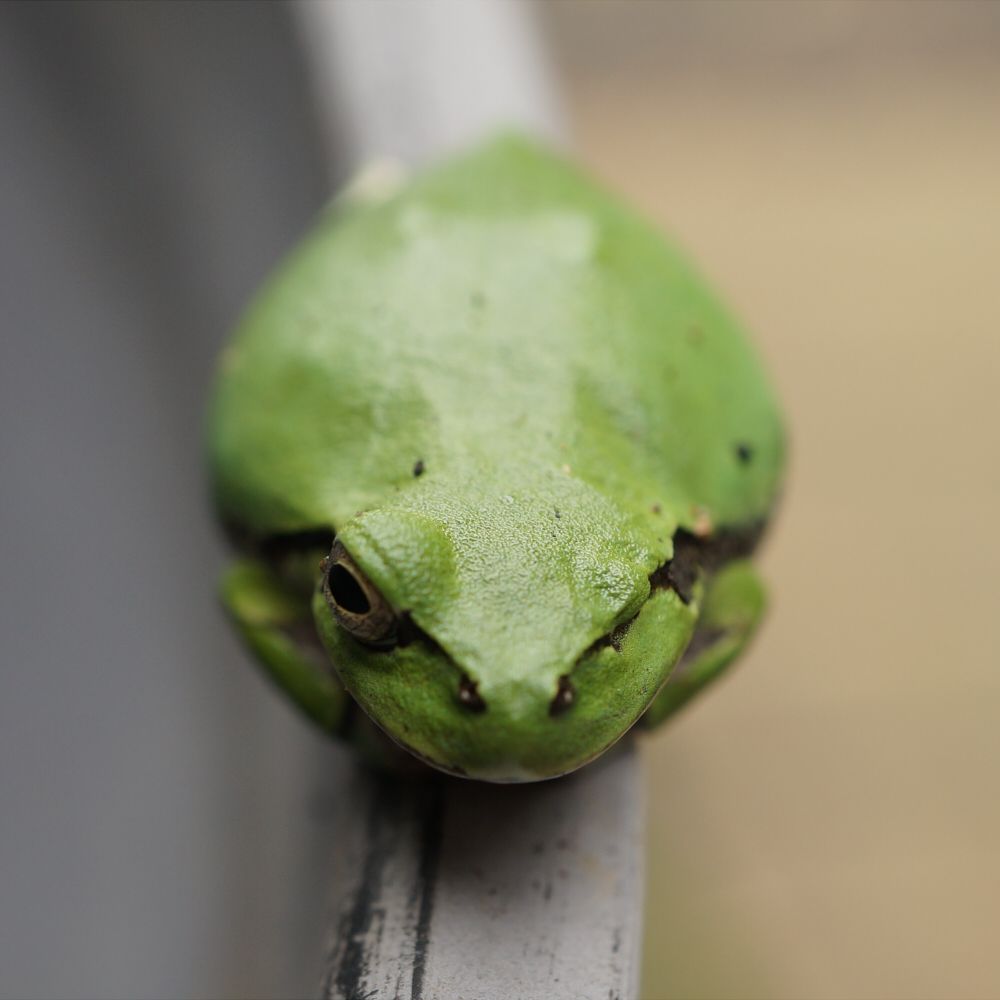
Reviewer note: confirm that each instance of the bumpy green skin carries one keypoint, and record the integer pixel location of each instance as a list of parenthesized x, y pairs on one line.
[(730, 612), (575, 395), (266, 611)]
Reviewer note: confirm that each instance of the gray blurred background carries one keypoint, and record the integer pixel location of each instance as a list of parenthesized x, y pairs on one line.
[(827, 823), (155, 161)]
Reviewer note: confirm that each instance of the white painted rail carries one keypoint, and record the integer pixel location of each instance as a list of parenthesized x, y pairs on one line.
[(456, 889), (447, 889)]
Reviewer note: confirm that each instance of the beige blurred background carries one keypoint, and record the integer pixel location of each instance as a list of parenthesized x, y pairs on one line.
[(827, 822)]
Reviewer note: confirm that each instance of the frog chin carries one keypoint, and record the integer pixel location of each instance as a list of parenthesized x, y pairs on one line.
[(541, 726), (517, 757), (505, 769), (509, 775)]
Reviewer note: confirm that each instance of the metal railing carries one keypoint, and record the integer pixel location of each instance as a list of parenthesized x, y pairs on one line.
[(448, 888)]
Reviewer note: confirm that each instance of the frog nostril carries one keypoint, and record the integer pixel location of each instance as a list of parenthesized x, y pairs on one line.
[(564, 698), (469, 697)]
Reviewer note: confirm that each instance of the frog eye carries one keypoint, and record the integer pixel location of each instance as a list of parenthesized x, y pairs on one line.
[(358, 607)]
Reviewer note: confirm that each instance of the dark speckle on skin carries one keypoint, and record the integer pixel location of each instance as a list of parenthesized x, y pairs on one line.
[(469, 697), (565, 696), (418, 467), (477, 300), (618, 635), (556, 512), (744, 453)]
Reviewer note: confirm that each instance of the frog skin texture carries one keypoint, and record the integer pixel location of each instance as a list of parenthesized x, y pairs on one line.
[(494, 459)]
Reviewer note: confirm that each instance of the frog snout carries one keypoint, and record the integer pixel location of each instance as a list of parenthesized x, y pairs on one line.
[(562, 699), (520, 729)]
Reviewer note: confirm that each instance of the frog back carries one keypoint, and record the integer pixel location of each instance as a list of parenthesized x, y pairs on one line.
[(500, 314)]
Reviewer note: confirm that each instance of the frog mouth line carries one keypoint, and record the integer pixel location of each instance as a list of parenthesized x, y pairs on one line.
[(693, 558)]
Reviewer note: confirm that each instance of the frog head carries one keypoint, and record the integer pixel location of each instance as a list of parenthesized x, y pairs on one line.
[(502, 626)]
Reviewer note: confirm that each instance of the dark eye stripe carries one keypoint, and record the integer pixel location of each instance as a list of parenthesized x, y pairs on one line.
[(693, 555)]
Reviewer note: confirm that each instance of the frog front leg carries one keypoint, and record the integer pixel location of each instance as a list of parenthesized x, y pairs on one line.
[(732, 607), (277, 625)]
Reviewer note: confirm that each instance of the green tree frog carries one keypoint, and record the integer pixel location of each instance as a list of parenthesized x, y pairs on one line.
[(494, 460)]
